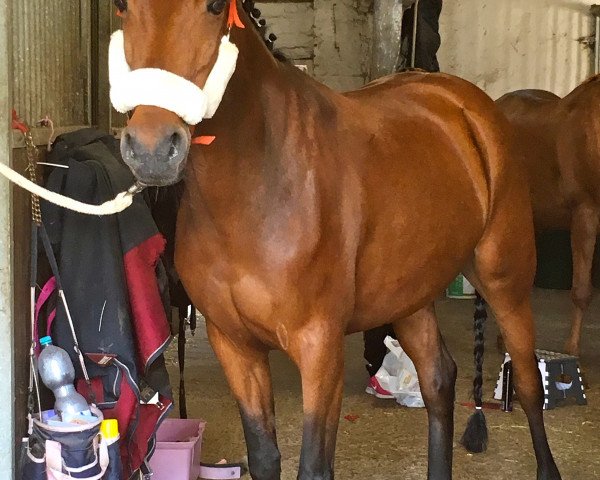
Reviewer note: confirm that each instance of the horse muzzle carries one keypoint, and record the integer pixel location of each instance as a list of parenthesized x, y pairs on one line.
[(157, 158)]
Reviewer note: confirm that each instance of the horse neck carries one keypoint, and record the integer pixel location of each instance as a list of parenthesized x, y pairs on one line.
[(256, 74), (259, 117), (260, 91)]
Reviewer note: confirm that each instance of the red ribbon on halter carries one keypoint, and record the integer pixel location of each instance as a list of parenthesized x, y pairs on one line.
[(234, 16), (203, 140)]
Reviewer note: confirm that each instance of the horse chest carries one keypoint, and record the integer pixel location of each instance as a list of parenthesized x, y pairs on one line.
[(250, 287)]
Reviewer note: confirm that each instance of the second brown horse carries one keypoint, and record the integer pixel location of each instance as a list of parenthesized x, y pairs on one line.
[(314, 215), (559, 142)]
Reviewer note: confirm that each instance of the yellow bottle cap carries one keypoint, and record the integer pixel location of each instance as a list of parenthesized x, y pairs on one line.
[(109, 429)]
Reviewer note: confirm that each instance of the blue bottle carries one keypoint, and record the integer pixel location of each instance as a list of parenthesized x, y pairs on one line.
[(57, 373)]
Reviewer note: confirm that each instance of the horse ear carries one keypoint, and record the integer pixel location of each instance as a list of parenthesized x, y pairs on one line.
[(216, 7), (121, 5)]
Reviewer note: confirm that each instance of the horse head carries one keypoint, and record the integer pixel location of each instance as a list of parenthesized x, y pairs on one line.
[(169, 66)]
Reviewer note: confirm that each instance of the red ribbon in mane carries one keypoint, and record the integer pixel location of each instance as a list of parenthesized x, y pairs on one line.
[(234, 16)]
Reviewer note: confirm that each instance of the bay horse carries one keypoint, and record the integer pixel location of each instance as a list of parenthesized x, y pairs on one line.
[(308, 215), (557, 139)]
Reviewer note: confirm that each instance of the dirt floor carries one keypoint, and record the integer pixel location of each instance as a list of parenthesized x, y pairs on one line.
[(390, 442)]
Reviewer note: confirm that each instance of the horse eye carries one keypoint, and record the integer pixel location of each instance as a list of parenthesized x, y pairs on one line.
[(121, 5), (216, 7)]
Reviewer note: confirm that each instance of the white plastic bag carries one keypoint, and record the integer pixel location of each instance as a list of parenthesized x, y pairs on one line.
[(398, 375)]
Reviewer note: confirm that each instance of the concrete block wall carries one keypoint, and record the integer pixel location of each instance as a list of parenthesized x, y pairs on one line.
[(342, 42), (500, 45), (293, 23), (330, 37)]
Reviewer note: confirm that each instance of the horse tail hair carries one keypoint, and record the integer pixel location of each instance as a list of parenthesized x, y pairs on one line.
[(475, 438)]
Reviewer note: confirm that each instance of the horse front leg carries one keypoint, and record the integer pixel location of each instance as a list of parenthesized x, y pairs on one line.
[(420, 337), (318, 350), (246, 367), (584, 228)]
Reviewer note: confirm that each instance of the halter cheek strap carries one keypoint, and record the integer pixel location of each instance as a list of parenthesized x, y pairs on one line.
[(160, 88)]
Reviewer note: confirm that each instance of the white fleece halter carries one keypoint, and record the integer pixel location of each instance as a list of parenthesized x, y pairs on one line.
[(160, 88)]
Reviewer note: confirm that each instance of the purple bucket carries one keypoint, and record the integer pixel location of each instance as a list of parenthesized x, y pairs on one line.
[(177, 454)]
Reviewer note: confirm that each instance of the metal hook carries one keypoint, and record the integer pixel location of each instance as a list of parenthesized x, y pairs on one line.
[(47, 122)]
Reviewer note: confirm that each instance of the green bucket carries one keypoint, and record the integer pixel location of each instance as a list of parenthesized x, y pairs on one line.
[(460, 288)]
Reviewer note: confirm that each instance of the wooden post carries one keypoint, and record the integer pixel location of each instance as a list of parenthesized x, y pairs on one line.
[(7, 392), (102, 14), (387, 28)]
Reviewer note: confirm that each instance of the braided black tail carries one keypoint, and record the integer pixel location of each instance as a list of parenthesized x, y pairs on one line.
[(475, 438)]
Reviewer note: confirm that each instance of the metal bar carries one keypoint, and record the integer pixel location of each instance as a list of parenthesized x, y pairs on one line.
[(102, 117), (87, 35), (413, 59), (93, 62), (7, 392), (595, 11), (597, 47)]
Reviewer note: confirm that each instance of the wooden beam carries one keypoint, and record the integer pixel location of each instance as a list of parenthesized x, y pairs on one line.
[(7, 361)]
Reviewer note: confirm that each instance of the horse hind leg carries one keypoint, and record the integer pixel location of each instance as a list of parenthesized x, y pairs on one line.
[(247, 370), (584, 229), (518, 331), (421, 339), (502, 272)]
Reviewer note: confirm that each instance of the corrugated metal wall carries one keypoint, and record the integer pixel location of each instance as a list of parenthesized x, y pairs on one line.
[(51, 58), (51, 75), (504, 45)]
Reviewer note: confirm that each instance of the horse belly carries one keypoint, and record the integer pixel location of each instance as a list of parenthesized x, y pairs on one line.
[(398, 280), (534, 125), (424, 223)]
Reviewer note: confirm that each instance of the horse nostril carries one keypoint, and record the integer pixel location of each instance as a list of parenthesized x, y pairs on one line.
[(127, 147), (175, 146)]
